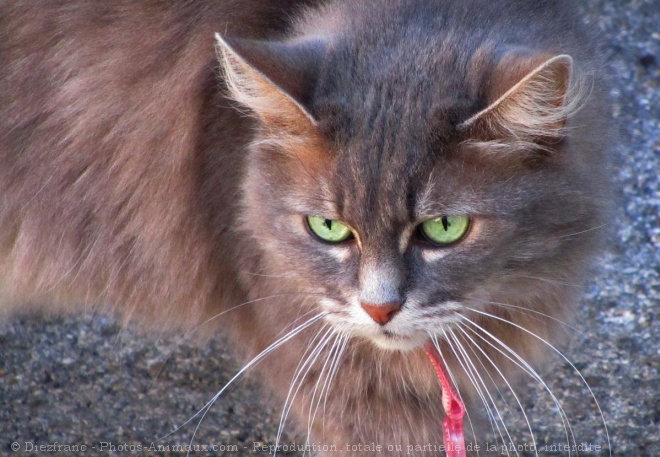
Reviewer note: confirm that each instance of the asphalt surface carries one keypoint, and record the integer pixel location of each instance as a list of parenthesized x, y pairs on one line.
[(87, 384)]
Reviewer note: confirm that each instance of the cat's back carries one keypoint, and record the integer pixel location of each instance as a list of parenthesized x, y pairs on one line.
[(112, 124)]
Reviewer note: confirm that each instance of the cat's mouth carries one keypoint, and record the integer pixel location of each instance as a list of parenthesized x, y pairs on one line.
[(386, 339), (397, 335)]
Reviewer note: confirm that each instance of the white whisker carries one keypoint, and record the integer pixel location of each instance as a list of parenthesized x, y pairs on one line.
[(476, 374), (334, 369), (561, 354), (533, 311), (583, 231), (297, 381), (300, 316), (250, 302), (458, 391), (302, 363), (279, 342), (494, 384), (187, 336), (320, 379), (550, 281), (489, 412), (527, 368), (323, 375), (506, 381)]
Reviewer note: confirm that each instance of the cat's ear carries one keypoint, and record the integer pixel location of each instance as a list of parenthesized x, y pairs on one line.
[(275, 80), (530, 100)]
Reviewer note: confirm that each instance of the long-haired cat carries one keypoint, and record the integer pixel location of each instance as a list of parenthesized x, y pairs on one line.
[(329, 185)]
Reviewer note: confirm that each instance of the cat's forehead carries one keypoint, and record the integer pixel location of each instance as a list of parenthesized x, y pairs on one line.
[(383, 178), (411, 64), (389, 147), (410, 93)]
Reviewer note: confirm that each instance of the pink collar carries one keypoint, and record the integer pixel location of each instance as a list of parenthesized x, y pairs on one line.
[(454, 438)]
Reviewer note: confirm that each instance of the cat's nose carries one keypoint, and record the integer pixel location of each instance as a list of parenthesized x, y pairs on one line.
[(382, 314)]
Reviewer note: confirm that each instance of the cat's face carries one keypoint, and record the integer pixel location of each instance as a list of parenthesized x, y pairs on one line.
[(382, 208), (384, 254), (399, 201)]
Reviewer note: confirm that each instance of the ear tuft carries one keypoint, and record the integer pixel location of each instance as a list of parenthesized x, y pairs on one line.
[(274, 80), (533, 112)]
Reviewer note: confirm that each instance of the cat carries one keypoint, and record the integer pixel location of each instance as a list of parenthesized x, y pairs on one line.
[(329, 185)]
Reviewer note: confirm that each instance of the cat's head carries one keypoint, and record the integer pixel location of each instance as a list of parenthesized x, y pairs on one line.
[(409, 184)]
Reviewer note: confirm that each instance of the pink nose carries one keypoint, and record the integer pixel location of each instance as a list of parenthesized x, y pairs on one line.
[(382, 314)]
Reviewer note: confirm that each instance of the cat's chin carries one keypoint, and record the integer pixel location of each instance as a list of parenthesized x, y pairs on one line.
[(393, 342)]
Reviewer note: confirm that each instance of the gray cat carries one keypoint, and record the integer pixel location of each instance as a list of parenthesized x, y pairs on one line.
[(352, 182)]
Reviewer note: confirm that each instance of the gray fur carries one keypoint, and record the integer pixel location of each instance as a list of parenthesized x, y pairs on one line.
[(134, 179)]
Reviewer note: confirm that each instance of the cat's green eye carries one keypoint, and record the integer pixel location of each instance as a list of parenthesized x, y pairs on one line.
[(328, 230), (445, 230)]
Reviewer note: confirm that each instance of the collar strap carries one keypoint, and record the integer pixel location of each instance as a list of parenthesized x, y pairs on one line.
[(454, 437)]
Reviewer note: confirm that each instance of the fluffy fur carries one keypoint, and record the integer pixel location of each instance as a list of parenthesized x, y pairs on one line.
[(142, 176)]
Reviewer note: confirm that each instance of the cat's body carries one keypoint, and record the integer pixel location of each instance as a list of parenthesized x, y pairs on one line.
[(134, 180)]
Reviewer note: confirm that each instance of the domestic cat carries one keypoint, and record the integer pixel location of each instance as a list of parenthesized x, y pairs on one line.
[(329, 185)]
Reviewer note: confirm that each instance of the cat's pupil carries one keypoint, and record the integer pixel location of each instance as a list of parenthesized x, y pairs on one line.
[(445, 223), (328, 223)]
